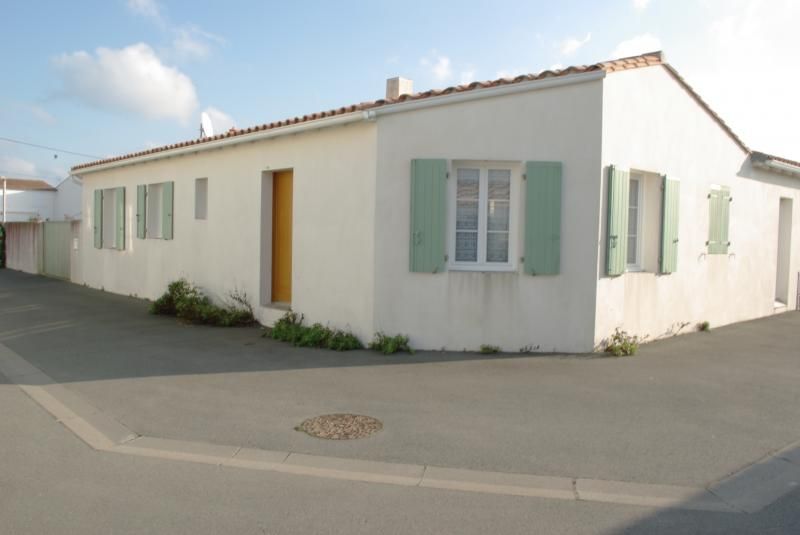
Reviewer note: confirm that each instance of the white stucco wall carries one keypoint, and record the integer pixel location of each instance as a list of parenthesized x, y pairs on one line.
[(67, 201), (651, 123), (28, 205), (456, 309), (333, 237)]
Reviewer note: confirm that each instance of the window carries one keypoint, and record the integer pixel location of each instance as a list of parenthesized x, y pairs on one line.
[(201, 198), (635, 209), (110, 218), (155, 202), (719, 200), (482, 217)]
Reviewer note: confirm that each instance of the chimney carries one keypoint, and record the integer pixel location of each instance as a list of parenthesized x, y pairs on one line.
[(398, 86)]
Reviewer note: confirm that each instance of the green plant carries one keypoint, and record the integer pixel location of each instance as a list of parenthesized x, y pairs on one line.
[(390, 344), (290, 329), (185, 301), (622, 344), (489, 349), (704, 326)]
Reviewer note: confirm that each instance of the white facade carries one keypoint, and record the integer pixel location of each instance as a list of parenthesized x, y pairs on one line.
[(60, 204), (351, 217)]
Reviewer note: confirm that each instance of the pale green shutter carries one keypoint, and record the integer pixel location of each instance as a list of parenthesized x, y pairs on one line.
[(428, 215), (543, 218), (97, 218), (669, 225), (617, 243), (120, 223), (167, 219), (141, 211), (719, 219)]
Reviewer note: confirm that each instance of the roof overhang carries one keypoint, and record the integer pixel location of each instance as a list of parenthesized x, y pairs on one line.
[(775, 164)]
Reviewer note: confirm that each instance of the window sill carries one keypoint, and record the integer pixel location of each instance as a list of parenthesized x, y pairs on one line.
[(483, 268)]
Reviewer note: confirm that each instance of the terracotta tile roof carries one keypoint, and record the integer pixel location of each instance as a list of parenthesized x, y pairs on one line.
[(762, 156), (25, 184), (633, 62), (622, 64)]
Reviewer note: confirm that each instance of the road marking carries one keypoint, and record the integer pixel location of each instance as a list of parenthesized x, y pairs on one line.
[(748, 490)]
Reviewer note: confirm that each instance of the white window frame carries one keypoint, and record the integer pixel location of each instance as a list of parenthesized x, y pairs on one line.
[(515, 169), (639, 178)]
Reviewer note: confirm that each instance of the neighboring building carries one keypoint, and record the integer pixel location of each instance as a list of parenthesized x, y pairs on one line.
[(36, 200), (538, 213)]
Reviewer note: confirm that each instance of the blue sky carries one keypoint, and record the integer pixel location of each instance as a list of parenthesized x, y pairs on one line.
[(114, 76)]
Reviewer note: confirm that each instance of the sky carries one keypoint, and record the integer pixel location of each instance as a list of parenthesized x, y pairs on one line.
[(102, 78)]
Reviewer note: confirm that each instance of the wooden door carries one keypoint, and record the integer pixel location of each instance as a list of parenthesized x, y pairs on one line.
[(282, 237)]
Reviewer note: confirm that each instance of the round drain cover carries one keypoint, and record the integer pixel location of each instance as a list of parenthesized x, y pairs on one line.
[(341, 426)]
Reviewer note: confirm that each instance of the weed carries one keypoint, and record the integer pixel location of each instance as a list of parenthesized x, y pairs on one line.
[(185, 301), (390, 344), (622, 344), (489, 349), (290, 329), (704, 326)]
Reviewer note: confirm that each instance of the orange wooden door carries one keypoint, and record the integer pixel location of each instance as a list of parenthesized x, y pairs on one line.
[(282, 237)]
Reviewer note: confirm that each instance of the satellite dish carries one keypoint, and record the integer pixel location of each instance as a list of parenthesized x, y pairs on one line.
[(206, 128)]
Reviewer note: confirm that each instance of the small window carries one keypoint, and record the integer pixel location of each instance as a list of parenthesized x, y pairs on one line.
[(155, 202), (482, 223), (635, 208), (110, 218), (719, 200), (201, 198)]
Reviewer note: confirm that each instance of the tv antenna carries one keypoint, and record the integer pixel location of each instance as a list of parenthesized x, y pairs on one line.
[(206, 127)]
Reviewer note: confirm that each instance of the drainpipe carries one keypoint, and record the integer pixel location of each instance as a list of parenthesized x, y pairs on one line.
[(5, 202)]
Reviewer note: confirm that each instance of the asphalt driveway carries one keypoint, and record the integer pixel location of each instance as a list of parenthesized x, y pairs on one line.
[(684, 411)]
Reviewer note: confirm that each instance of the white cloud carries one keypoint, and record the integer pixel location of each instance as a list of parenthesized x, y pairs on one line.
[(11, 165), (221, 121), (147, 8), (742, 67), (467, 77), (636, 45), (640, 5), (42, 114), (132, 79), (571, 45), (192, 42), (439, 66)]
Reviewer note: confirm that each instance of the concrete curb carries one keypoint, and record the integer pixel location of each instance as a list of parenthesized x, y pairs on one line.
[(749, 490)]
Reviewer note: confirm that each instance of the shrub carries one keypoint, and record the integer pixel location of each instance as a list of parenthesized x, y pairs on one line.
[(622, 344), (488, 349), (704, 326), (185, 301), (290, 329), (390, 344)]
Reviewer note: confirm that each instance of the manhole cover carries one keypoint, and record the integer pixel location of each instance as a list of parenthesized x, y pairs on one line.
[(341, 426)]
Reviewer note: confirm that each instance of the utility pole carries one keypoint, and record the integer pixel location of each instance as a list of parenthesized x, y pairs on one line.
[(5, 196)]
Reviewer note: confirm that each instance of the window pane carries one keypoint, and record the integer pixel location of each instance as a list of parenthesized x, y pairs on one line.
[(632, 244), (497, 247), (467, 215), (633, 221), (109, 218), (466, 246), (498, 215), (154, 202), (468, 183), (499, 184), (200, 198)]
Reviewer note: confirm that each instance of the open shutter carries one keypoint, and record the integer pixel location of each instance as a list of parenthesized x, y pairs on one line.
[(428, 210), (97, 218), (669, 225), (719, 214), (543, 218), (166, 219), (141, 211), (120, 222), (617, 243)]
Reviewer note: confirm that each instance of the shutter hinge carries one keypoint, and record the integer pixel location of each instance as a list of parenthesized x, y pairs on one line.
[(522, 259), (730, 199), (446, 257), (447, 174), (524, 176)]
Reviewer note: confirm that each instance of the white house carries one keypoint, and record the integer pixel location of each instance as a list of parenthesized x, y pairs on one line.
[(537, 213), (36, 200)]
